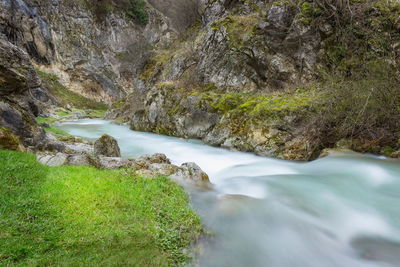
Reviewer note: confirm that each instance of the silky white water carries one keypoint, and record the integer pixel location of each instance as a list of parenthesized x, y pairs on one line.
[(342, 210)]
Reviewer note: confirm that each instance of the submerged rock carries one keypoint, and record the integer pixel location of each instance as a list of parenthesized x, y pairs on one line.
[(377, 249), (107, 146)]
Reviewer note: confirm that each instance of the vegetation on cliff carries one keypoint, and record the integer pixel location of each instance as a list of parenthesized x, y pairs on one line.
[(84, 216), (134, 9)]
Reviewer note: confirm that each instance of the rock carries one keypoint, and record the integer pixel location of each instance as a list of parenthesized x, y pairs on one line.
[(53, 160), (396, 154), (377, 249), (163, 169), (232, 204), (79, 160), (143, 162), (45, 125), (78, 148), (108, 163), (54, 146), (107, 146), (192, 172)]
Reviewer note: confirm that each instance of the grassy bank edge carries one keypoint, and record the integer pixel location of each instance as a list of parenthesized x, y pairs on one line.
[(83, 216)]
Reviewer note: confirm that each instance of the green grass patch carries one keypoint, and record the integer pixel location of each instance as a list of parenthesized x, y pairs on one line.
[(81, 216), (48, 120)]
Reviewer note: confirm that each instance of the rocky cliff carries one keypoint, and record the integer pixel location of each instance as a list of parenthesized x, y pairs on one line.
[(278, 78), (95, 55), (284, 79), (82, 48), (21, 100)]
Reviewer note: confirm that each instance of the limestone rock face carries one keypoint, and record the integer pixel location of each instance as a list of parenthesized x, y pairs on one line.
[(18, 106), (254, 47), (107, 146), (95, 57)]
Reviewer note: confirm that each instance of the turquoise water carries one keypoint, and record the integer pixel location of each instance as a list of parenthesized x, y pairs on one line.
[(342, 210)]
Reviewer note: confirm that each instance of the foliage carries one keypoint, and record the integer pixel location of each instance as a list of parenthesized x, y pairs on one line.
[(136, 9), (365, 108), (81, 216)]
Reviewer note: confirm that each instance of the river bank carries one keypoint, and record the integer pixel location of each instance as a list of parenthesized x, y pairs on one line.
[(339, 210)]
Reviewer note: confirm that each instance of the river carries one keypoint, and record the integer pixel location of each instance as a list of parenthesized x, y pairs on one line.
[(339, 211)]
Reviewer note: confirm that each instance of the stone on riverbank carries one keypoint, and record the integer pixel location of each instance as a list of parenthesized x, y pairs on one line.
[(192, 171), (107, 146), (149, 166)]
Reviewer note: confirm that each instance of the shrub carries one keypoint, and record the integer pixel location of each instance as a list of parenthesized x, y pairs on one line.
[(136, 9), (366, 107)]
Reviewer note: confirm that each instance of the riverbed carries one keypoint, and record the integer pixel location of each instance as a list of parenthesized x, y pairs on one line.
[(342, 210)]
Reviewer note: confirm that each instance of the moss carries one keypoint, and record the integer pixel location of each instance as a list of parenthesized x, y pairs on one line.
[(240, 28), (156, 64), (8, 140), (262, 106)]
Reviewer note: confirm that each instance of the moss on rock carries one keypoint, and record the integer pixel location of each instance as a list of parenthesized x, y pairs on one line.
[(10, 141)]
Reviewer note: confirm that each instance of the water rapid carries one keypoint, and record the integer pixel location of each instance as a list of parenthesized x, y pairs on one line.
[(338, 211)]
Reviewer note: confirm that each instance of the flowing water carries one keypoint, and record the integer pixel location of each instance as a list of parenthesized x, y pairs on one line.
[(342, 210)]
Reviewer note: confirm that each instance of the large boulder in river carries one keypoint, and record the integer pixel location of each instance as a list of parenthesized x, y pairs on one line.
[(107, 146)]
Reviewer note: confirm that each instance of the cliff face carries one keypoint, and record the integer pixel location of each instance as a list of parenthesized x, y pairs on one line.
[(73, 45), (278, 78), (97, 57), (271, 78), (21, 98)]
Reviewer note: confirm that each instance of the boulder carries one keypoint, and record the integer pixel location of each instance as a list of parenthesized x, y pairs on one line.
[(109, 163), (53, 160), (78, 147), (192, 172), (158, 169), (79, 160), (144, 161), (107, 146)]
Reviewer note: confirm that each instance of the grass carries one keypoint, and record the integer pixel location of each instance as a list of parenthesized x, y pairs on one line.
[(81, 216)]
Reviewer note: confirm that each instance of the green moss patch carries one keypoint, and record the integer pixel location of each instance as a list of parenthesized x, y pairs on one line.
[(262, 106), (8, 140)]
